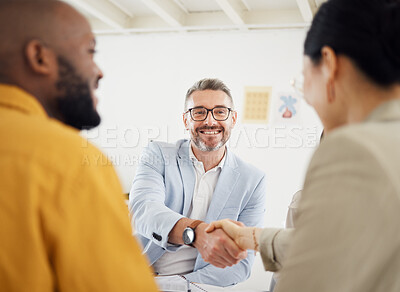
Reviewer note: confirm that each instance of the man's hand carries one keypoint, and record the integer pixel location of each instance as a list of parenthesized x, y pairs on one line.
[(217, 248), (244, 237)]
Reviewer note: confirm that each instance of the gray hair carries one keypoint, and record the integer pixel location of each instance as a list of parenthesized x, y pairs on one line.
[(208, 84)]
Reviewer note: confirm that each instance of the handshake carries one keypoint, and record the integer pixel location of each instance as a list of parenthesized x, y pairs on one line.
[(225, 243)]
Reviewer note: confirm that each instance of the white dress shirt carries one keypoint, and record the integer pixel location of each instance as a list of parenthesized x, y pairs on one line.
[(182, 261)]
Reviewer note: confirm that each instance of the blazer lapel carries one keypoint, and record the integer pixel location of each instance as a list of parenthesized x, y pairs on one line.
[(188, 175), (226, 183)]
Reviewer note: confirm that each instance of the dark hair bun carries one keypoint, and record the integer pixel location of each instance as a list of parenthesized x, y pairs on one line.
[(366, 31), (390, 30)]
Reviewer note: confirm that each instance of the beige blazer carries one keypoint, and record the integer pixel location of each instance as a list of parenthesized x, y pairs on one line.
[(293, 211), (347, 236)]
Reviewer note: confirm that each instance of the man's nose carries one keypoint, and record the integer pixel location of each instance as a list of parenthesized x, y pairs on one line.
[(98, 71), (210, 119), (101, 75)]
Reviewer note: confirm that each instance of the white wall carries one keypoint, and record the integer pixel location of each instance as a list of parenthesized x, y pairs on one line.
[(142, 95)]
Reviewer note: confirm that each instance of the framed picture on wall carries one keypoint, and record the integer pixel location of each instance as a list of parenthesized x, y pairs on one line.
[(286, 108), (257, 104)]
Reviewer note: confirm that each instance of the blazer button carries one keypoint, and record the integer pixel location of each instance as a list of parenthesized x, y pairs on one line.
[(157, 236)]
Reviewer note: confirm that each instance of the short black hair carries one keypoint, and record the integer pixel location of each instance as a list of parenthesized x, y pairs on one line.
[(366, 31)]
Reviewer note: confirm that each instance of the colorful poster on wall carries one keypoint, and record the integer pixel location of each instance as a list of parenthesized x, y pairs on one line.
[(287, 108)]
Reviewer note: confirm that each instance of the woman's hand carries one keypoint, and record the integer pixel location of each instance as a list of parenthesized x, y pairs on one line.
[(244, 237)]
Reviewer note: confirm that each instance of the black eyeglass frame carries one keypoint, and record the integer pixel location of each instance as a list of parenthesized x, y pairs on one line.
[(210, 110)]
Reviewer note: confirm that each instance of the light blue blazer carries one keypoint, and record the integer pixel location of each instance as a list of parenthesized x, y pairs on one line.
[(162, 193)]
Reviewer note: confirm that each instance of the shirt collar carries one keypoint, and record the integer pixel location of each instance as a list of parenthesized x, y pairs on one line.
[(197, 162), (16, 98)]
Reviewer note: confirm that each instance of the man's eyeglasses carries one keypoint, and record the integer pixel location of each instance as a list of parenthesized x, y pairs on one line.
[(219, 113)]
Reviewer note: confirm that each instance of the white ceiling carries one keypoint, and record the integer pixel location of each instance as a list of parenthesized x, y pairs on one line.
[(144, 16)]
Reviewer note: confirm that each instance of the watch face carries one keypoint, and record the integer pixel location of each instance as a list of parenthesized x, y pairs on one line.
[(188, 235)]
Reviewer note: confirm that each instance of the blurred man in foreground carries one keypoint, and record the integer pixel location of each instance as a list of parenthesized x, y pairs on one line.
[(63, 223)]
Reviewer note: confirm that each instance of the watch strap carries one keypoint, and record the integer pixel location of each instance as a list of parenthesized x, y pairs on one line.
[(195, 223)]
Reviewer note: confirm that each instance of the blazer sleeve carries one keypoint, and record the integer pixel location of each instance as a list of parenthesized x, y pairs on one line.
[(274, 243), (251, 215), (152, 219), (345, 232)]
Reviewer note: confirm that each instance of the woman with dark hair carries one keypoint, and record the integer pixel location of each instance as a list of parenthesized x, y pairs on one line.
[(347, 237)]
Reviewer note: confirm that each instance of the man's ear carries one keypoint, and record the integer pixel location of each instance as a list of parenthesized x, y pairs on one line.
[(185, 121), (40, 58), (234, 118)]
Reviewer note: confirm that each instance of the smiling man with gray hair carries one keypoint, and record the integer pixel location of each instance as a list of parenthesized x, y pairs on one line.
[(179, 189)]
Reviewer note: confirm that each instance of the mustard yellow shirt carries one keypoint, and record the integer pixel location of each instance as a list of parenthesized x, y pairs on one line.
[(63, 223)]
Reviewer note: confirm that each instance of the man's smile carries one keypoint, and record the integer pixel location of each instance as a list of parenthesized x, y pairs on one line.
[(210, 132)]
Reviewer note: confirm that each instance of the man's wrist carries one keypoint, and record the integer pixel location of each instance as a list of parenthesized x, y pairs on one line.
[(199, 231), (189, 233)]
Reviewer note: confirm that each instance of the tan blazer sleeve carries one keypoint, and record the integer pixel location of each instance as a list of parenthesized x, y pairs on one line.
[(273, 246), (345, 232), (293, 211), (274, 241)]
